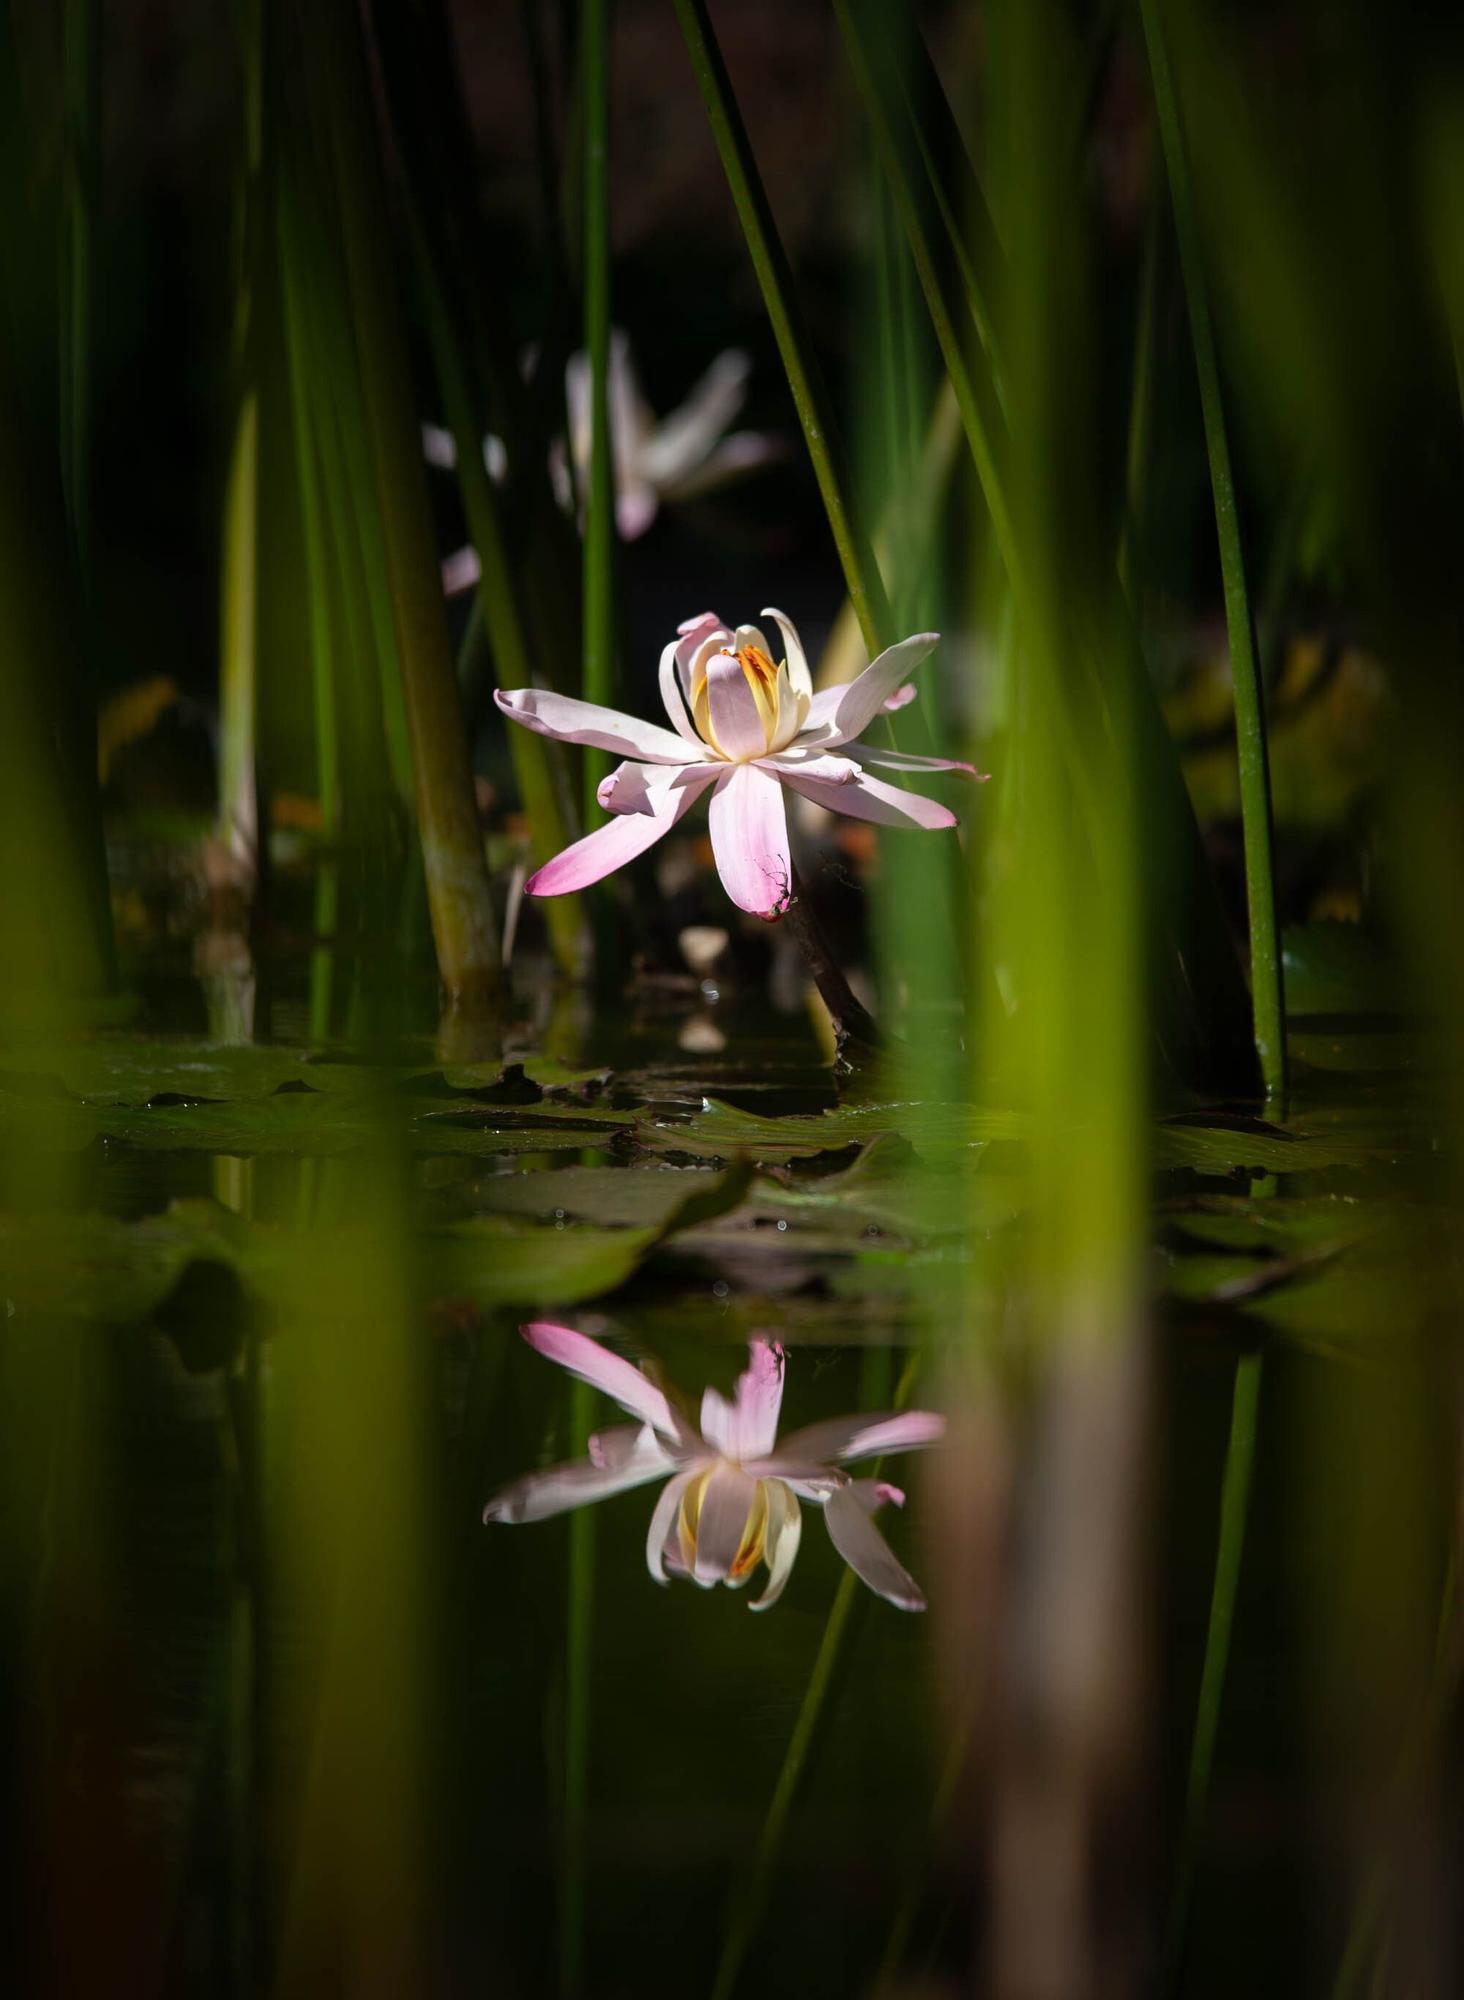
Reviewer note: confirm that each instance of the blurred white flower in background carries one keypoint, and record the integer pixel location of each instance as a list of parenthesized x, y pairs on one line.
[(679, 457)]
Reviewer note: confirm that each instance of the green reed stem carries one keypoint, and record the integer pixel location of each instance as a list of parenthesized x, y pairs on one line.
[(1235, 1491), (751, 1902), (578, 1643), (805, 380), (1268, 1002), (599, 552), (980, 416), (463, 925), (535, 764)]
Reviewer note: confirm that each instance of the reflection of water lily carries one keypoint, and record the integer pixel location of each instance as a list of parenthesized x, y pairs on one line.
[(745, 729), (731, 1497), (673, 458)]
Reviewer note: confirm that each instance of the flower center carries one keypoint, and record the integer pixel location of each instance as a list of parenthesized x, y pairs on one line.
[(754, 1529)]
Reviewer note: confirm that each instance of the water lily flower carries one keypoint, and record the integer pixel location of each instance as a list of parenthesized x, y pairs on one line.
[(732, 1492), (744, 729), (656, 461)]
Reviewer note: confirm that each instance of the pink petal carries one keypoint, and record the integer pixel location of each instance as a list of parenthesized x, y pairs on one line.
[(622, 838), (839, 714), (867, 1552), (644, 788), (540, 1495), (800, 763), (571, 721), (663, 1520), (901, 698), (759, 1398), (871, 798), (750, 840), (726, 1503), (732, 708), (901, 760), (593, 1363), (862, 1435), (780, 1549)]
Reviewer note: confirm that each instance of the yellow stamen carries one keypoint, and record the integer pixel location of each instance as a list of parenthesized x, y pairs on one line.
[(753, 1536)]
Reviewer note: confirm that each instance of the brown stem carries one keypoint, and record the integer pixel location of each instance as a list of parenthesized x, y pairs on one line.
[(856, 1032)]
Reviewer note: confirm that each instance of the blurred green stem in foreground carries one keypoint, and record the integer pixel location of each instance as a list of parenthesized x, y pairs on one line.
[(805, 381), (1250, 711)]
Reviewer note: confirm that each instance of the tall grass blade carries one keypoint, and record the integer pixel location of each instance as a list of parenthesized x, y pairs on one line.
[(423, 94), (811, 399), (1250, 711), (463, 923)]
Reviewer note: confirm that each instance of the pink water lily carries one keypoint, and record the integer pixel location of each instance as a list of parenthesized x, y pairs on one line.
[(744, 730), (732, 1491)]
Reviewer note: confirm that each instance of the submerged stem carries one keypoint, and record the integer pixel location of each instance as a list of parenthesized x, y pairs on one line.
[(855, 1028), (752, 1900)]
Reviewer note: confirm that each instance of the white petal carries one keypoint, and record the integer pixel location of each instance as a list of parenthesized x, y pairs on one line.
[(863, 797), (572, 721), (784, 1532), (682, 440), (792, 651), (867, 1552), (663, 1519), (675, 700), (540, 1495), (839, 714)]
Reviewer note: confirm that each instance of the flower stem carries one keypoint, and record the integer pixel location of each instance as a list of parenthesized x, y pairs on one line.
[(1235, 1488), (599, 553), (1267, 1000), (855, 1029), (805, 380)]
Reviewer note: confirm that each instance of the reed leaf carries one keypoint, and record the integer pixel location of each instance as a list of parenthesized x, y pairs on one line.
[(1250, 708), (811, 399)]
